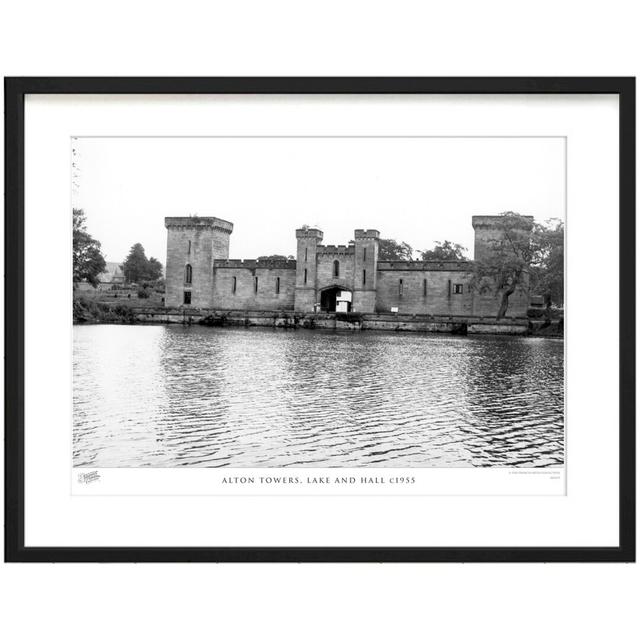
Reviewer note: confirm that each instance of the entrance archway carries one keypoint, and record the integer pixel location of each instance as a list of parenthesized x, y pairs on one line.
[(335, 299)]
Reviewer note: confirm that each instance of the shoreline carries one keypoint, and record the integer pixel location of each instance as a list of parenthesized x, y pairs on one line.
[(98, 313)]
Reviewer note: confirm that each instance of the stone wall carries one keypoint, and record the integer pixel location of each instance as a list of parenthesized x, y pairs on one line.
[(437, 297), (271, 294), (374, 322)]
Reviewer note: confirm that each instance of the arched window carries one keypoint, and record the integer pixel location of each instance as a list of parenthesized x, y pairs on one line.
[(234, 284), (188, 274), (336, 269)]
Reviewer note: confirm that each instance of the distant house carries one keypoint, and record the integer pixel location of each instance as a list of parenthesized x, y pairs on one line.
[(112, 277)]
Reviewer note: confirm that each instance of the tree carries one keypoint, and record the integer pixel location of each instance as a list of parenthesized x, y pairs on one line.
[(154, 270), (446, 250), (547, 269), (506, 265), (88, 261), (135, 264), (392, 250), (276, 256), (138, 268)]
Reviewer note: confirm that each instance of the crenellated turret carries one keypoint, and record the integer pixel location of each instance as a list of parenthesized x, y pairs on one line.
[(193, 243), (491, 229), (307, 267), (365, 276)]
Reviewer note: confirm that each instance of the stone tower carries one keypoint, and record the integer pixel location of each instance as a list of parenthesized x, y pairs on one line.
[(365, 271), (491, 229), (193, 243), (489, 233), (306, 268)]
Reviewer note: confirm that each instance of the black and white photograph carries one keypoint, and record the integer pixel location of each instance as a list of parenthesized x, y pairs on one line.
[(318, 302)]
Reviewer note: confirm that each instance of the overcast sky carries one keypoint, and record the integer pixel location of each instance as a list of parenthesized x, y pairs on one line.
[(416, 190)]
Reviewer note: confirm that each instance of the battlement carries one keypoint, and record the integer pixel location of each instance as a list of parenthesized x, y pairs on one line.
[(195, 222), (333, 248), (425, 265), (491, 230), (309, 233), (361, 234), (499, 222), (254, 264), (200, 274)]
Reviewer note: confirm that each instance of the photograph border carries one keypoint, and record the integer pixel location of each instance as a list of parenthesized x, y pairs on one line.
[(15, 91)]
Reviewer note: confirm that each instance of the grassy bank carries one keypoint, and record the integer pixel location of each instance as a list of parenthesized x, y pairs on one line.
[(93, 306), (88, 311)]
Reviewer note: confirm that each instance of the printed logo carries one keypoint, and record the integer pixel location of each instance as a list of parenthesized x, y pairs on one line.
[(87, 478)]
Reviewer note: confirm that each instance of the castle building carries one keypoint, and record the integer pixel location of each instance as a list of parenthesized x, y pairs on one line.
[(326, 278)]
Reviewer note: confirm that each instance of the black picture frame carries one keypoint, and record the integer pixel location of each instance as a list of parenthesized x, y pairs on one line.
[(15, 91)]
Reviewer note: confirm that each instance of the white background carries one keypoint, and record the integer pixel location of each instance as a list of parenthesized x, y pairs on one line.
[(332, 38)]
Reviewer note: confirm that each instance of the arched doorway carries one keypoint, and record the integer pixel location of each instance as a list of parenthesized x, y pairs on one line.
[(335, 299)]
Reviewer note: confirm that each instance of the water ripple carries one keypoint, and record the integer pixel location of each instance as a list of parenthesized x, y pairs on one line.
[(169, 396)]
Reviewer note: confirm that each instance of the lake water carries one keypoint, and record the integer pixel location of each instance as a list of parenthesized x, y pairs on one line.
[(169, 396)]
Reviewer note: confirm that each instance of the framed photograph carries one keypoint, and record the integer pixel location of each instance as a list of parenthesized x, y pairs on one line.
[(320, 319)]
